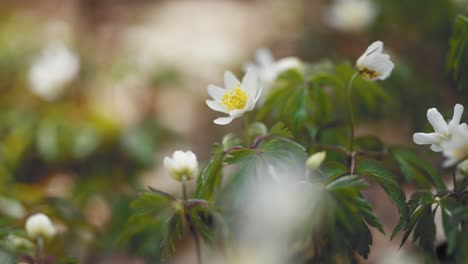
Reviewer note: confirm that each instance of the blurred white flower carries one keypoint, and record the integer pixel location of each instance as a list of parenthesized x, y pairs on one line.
[(183, 166), (463, 166), (39, 225), (315, 160), (373, 64), (11, 207), (237, 98), (351, 15), (442, 130), (52, 70), (268, 69), (399, 256), (455, 149)]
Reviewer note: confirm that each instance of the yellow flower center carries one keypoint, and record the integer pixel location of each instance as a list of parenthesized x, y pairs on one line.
[(235, 99), (368, 73)]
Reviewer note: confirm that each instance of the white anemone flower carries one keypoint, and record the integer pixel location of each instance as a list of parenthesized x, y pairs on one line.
[(456, 148), (268, 69), (183, 166), (373, 64), (351, 15), (237, 98), (40, 226), (442, 130), (52, 70)]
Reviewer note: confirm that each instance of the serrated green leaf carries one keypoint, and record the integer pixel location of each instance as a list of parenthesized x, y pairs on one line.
[(409, 161), (384, 178), (210, 176)]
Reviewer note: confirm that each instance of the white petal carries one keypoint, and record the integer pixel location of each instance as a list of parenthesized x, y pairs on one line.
[(264, 57), (250, 82), (457, 114), (216, 92), (223, 120), (386, 73), (437, 121), (427, 138), (237, 113), (375, 47), (436, 148), (230, 81), (214, 105)]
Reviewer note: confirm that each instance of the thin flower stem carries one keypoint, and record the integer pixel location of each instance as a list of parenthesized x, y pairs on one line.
[(193, 232), (454, 179), (39, 249), (246, 126), (351, 112)]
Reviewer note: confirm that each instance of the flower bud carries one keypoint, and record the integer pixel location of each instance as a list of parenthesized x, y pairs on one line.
[(315, 160), (39, 225), (183, 166)]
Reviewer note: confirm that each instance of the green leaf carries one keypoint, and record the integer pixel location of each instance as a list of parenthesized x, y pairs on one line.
[(280, 130), (385, 179), (210, 176), (412, 165), (457, 59)]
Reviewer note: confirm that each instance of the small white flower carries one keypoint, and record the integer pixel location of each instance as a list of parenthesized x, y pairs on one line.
[(373, 64), (351, 15), (268, 69), (183, 166), (315, 160), (442, 130), (39, 225), (237, 98), (456, 148), (52, 70)]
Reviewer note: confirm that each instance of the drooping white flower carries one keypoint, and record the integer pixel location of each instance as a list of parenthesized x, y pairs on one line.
[(442, 130), (268, 69), (373, 64), (39, 225), (315, 160), (183, 166), (455, 149), (237, 98), (52, 70), (351, 15)]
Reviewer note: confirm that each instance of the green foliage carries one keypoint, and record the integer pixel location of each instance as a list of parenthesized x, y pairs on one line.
[(210, 177), (377, 172), (457, 60), (417, 169), (350, 216)]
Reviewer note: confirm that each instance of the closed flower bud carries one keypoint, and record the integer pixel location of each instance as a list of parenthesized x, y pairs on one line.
[(39, 225), (183, 166), (315, 160)]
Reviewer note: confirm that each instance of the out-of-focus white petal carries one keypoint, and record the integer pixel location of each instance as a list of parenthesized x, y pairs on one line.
[(214, 105), (375, 47), (457, 114), (427, 138), (264, 57), (230, 81), (437, 121), (250, 82), (216, 92), (223, 120)]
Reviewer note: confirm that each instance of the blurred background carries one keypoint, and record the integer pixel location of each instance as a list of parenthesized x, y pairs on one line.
[(94, 93)]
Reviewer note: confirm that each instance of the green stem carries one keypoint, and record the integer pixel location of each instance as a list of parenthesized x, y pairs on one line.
[(454, 179), (193, 232), (39, 249), (246, 127), (351, 112)]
